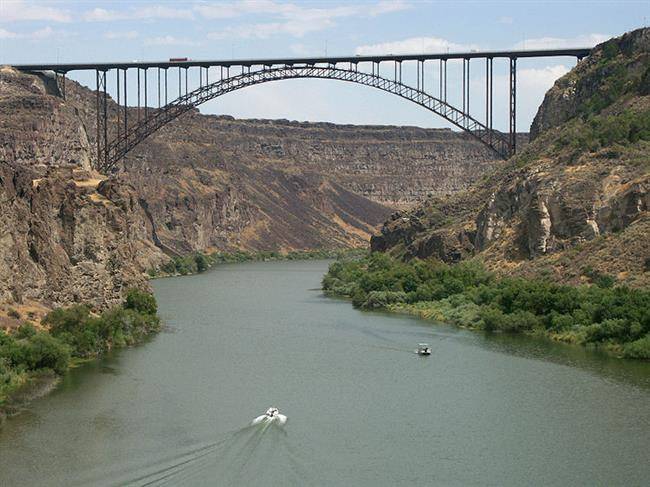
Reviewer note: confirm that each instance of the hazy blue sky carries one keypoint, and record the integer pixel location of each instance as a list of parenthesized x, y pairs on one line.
[(78, 31)]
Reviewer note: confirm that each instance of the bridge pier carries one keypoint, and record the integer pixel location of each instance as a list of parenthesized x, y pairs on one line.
[(513, 105)]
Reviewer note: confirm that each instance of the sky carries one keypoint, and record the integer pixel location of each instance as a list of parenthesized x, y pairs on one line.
[(96, 31)]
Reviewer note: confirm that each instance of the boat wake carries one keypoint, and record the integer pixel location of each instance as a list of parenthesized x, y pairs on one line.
[(258, 454)]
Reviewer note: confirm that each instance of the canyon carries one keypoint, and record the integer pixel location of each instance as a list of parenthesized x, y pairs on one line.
[(203, 183)]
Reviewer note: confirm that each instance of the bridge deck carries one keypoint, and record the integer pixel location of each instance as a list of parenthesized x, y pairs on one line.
[(65, 68)]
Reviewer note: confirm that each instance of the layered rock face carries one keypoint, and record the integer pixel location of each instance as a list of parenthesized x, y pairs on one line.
[(393, 166), (37, 127), (66, 241), (579, 191)]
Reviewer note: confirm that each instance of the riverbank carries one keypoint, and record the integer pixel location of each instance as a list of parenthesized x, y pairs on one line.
[(198, 262), (33, 359), (600, 315)]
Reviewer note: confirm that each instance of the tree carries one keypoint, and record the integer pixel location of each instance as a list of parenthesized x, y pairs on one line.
[(141, 301)]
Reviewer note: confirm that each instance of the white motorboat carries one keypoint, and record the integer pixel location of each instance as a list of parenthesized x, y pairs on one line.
[(272, 415), (423, 349)]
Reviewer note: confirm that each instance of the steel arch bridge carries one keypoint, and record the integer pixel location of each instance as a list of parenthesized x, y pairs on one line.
[(135, 123), (119, 147)]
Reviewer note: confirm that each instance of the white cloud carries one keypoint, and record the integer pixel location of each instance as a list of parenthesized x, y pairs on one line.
[(264, 31), (289, 18), (413, 45), (6, 34), (114, 35), (237, 9), (387, 6), (142, 13), (101, 15), (19, 10), (541, 79), (505, 20), (39, 34), (586, 40), (163, 12), (169, 41)]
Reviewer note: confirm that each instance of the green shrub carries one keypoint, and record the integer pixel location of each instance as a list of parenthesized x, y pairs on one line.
[(491, 317), (639, 349), (33, 352), (201, 262), (607, 330), (43, 351), (520, 321), (561, 322), (141, 301), (70, 320), (26, 330)]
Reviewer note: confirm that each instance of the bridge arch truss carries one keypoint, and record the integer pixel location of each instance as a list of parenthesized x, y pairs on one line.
[(117, 148)]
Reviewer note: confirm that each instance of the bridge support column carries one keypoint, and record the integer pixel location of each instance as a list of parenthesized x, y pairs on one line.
[(444, 83), (126, 103), (102, 119), (513, 105), (159, 98), (146, 106), (117, 100), (465, 86), (138, 84), (489, 91)]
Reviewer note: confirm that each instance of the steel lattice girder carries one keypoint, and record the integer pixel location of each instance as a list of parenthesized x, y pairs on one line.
[(157, 118)]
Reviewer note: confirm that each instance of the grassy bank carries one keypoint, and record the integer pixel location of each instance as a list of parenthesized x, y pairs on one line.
[(199, 261), (70, 334), (603, 315)]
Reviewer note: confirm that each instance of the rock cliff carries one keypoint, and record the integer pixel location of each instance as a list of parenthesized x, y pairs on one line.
[(575, 201), (65, 236)]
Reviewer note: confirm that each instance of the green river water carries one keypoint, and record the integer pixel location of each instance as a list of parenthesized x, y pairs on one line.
[(363, 408)]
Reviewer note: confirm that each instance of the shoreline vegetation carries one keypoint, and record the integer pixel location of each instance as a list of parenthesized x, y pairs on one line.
[(32, 360), (197, 262), (601, 315)]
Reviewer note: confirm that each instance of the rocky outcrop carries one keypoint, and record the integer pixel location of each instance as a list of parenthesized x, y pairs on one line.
[(614, 68), (37, 127), (65, 240), (553, 211), (583, 181)]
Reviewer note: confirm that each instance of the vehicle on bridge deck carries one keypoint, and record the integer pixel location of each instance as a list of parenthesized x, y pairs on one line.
[(423, 349), (178, 59)]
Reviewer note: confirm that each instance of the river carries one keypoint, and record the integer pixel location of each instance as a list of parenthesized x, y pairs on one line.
[(363, 408)]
